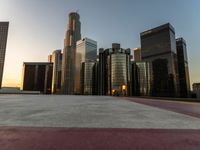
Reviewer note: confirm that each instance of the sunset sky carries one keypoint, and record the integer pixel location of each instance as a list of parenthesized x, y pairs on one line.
[(38, 26)]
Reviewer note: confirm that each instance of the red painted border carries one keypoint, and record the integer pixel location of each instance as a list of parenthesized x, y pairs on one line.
[(187, 108), (15, 138)]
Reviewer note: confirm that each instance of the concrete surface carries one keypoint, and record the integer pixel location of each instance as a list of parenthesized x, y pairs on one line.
[(87, 112), (187, 108), (39, 122)]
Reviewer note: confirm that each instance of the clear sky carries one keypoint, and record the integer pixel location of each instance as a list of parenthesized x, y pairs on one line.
[(38, 26)]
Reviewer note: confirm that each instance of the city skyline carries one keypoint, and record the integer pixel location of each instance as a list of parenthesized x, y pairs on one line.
[(32, 49)]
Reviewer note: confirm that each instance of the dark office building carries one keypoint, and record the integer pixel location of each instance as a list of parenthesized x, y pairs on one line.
[(135, 91), (184, 79), (96, 78), (103, 73), (37, 76), (3, 41), (158, 46), (88, 78), (114, 71), (141, 79), (196, 90)]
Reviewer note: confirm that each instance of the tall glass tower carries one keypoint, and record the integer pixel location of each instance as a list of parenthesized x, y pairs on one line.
[(86, 51), (56, 59), (73, 35), (183, 70), (158, 46), (3, 42)]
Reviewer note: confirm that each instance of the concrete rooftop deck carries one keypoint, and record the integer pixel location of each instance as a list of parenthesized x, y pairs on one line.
[(89, 120)]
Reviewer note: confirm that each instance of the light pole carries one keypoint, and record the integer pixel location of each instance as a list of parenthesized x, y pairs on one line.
[(124, 90)]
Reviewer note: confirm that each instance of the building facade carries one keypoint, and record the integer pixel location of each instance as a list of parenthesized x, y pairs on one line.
[(86, 51), (56, 59), (137, 54), (196, 89), (141, 77), (3, 42), (114, 68), (183, 71), (50, 58), (73, 34), (37, 76), (88, 78), (102, 72), (158, 46)]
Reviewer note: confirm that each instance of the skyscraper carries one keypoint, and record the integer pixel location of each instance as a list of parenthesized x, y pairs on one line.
[(73, 34), (86, 50), (115, 64), (184, 79), (3, 41), (141, 79), (158, 46), (102, 72), (56, 59), (88, 78)]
